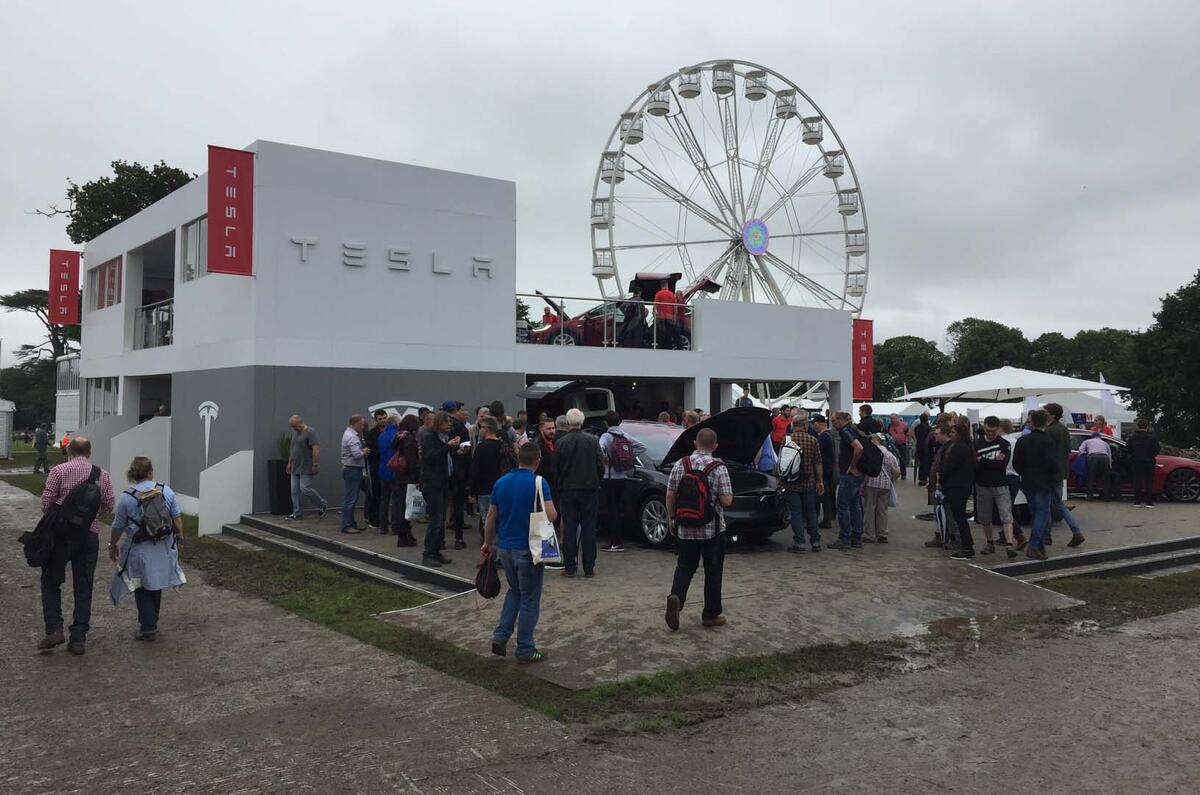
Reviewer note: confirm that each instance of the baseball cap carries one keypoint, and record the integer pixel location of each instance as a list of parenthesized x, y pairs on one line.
[(817, 418), (451, 405)]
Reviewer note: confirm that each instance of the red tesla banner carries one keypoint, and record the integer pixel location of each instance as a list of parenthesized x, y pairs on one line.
[(230, 211), (864, 359), (64, 287)]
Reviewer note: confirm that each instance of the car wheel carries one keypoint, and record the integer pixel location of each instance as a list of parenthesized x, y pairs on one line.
[(1183, 485), (685, 341), (563, 337), (653, 518)]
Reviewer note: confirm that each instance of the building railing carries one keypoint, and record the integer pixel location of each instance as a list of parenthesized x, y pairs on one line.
[(606, 323), (154, 324)]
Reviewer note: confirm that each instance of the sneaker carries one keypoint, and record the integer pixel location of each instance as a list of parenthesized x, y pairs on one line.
[(146, 636), (1035, 554), (1012, 553), (556, 566), (589, 575), (373, 526), (882, 539), (962, 554), (673, 608), (443, 559), (568, 573), (795, 548), (406, 541), (816, 547), (1022, 542), (715, 621), (839, 545), (50, 641), (432, 562), (77, 647), (534, 657), (934, 543), (460, 544), (856, 544), (989, 549), (869, 540), (351, 530), (1149, 505), (1137, 505), (500, 648), (1076, 540), (613, 548), (322, 511), (291, 517)]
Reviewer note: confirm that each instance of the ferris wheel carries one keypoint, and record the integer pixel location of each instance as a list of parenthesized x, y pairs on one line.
[(724, 170)]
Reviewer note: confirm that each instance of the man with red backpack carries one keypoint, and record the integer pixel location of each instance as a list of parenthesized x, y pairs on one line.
[(620, 456), (697, 494)]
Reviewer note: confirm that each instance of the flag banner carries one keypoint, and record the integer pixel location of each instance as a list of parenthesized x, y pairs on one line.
[(863, 356), (230, 211), (64, 287)]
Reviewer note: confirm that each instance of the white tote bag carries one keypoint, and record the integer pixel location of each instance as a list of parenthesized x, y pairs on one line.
[(414, 504), (543, 544)]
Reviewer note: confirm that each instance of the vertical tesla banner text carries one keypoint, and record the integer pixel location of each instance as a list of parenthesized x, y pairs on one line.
[(864, 359), (230, 211), (64, 287)]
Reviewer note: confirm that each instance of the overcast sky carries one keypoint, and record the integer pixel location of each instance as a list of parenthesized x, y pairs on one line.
[(1034, 163)]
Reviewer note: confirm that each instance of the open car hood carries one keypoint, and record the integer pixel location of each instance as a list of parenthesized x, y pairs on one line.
[(540, 390), (740, 435), (554, 305)]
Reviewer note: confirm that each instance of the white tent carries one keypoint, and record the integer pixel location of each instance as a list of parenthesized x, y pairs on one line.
[(904, 408), (1009, 383)]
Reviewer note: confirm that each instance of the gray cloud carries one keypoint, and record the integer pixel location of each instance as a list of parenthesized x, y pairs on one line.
[(1030, 162)]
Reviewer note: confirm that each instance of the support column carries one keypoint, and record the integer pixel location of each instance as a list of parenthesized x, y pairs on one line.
[(697, 394), (836, 402)]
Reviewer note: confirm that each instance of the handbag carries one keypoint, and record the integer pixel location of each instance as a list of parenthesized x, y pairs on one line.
[(487, 579), (414, 505), (543, 543)]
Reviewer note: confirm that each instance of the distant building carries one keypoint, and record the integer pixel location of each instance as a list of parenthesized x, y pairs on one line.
[(66, 395)]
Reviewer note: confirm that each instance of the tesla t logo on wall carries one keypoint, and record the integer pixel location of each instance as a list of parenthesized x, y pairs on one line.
[(356, 255), (401, 407), (208, 412)]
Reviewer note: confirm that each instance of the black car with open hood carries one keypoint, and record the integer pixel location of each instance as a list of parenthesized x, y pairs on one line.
[(758, 508)]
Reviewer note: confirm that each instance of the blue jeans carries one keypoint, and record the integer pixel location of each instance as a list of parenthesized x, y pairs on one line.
[(302, 487), (83, 572), (353, 478), (579, 508), (148, 603), (1056, 500), (482, 503), (523, 602), (803, 505), (1039, 512), (435, 521), (849, 509)]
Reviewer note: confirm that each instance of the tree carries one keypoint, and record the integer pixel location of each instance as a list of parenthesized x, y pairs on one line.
[(31, 386), (980, 345), (1108, 350), (59, 339), (523, 312), (910, 361), (1052, 353), (101, 204), (1165, 375)]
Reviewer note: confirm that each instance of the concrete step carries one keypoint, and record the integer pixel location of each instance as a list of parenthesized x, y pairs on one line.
[(263, 539), (1141, 564), (1069, 564), (434, 579), (237, 543)]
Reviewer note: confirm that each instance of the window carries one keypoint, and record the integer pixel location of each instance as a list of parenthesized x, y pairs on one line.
[(104, 284), (99, 399), (194, 251), (68, 375)]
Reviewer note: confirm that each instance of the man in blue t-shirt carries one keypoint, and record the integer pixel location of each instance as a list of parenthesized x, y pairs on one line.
[(506, 530)]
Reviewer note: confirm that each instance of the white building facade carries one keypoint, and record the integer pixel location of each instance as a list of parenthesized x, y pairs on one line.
[(374, 283)]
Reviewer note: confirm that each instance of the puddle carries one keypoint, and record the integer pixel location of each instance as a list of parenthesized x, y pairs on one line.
[(1085, 627)]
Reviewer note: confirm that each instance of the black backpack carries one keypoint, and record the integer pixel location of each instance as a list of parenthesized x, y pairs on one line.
[(870, 463), (79, 509), (693, 498), (39, 544)]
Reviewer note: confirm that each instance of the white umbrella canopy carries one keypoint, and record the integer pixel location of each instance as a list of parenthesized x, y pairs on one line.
[(1008, 383)]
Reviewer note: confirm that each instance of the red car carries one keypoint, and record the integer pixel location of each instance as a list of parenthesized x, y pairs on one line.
[(1177, 479), (623, 323)]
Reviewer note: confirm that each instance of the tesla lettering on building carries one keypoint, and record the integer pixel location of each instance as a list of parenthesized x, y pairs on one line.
[(356, 255)]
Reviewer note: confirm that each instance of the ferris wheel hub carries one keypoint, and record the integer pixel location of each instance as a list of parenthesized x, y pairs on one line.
[(755, 237)]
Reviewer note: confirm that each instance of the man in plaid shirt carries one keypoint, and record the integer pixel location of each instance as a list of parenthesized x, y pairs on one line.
[(59, 483), (704, 542), (803, 494)]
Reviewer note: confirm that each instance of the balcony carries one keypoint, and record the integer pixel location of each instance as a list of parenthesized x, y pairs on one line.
[(608, 323), (153, 325)]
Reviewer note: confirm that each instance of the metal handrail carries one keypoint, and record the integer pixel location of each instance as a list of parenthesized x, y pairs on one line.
[(154, 324), (609, 336), (157, 303)]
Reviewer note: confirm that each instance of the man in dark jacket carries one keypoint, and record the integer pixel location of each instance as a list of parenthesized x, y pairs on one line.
[(1035, 459), (1143, 449), (828, 445), (868, 423), (578, 468), (461, 473), (437, 445), (1061, 437)]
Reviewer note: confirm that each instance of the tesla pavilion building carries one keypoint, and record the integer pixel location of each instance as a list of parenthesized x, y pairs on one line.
[(366, 283)]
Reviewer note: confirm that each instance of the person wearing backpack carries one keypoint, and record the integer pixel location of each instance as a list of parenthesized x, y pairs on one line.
[(148, 516), (851, 450), (621, 453), (698, 493), (801, 473), (492, 459), (399, 468), (81, 492)]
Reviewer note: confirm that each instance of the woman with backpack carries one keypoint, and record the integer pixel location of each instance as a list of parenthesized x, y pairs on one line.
[(147, 514)]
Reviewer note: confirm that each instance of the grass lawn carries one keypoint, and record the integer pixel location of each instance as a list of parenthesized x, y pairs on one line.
[(23, 459), (348, 605)]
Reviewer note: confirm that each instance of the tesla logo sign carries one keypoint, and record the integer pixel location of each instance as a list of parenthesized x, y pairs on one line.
[(396, 258), (208, 412), (863, 356)]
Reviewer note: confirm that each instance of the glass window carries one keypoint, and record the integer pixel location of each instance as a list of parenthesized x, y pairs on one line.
[(99, 399), (194, 251), (104, 284)]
